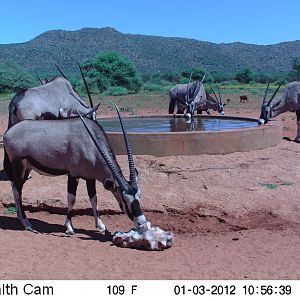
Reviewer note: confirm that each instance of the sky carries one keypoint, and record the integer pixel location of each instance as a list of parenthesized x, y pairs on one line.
[(260, 22)]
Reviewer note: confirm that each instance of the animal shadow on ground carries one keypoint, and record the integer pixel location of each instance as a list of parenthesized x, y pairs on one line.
[(42, 227), (286, 138), (3, 176)]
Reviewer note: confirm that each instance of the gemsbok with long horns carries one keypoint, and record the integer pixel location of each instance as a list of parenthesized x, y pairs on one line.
[(289, 100), (77, 147), (189, 97), (215, 104), (54, 100)]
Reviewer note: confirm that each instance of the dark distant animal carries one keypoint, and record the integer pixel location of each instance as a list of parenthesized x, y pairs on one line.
[(243, 99), (289, 100), (187, 97), (77, 147)]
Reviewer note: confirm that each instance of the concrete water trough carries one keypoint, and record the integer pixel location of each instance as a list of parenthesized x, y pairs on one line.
[(171, 135), (168, 135)]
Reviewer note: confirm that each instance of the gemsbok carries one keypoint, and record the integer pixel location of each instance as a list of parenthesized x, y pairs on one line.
[(289, 100), (79, 148), (189, 97), (215, 104)]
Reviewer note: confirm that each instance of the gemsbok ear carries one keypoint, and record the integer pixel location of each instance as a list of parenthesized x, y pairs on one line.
[(109, 184)]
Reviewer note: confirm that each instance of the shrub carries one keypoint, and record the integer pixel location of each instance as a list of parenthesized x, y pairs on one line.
[(118, 91), (197, 74), (110, 69), (244, 76), (13, 77), (152, 87)]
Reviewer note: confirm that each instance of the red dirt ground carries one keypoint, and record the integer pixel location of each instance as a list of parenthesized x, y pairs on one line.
[(228, 224)]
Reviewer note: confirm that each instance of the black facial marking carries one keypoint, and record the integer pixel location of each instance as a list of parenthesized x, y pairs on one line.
[(136, 208), (127, 211)]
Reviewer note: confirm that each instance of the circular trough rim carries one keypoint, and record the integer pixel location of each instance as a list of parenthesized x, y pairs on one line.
[(271, 123), (197, 142)]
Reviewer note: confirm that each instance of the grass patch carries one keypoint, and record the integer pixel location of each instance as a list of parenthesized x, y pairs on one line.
[(273, 186), (288, 183), (10, 211), (270, 186)]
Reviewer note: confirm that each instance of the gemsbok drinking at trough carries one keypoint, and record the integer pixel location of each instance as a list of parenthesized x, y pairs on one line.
[(289, 100), (189, 97), (78, 147), (213, 103)]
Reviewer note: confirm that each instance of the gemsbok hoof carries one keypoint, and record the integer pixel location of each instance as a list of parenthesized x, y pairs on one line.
[(29, 228), (70, 228), (297, 140), (70, 231)]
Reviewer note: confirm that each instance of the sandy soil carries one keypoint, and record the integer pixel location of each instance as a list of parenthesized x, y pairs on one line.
[(234, 216)]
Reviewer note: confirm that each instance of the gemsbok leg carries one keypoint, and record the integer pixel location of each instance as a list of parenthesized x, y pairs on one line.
[(72, 188), (297, 139), (91, 188), (20, 175)]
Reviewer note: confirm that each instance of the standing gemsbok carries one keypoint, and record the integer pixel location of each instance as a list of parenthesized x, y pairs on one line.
[(289, 100), (77, 147), (56, 99), (189, 97)]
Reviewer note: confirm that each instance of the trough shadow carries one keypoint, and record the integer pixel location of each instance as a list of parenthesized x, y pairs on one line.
[(42, 227)]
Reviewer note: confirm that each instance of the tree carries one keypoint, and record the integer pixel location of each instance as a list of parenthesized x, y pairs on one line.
[(244, 76), (296, 66), (13, 77), (197, 74), (110, 69), (262, 78)]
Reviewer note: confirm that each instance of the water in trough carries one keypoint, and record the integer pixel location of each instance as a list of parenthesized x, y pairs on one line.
[(170, 124)]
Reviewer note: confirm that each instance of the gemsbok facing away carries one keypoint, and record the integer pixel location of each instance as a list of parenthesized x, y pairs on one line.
[(77, 147), (289, 100)]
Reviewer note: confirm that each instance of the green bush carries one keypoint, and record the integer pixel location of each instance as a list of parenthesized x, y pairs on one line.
[(152, 87), (197, 74), (244, 76), (110, 69), (13, 77), (118, 91)]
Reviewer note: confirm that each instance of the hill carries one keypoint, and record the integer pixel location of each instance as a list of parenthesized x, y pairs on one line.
[(148, 53)]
